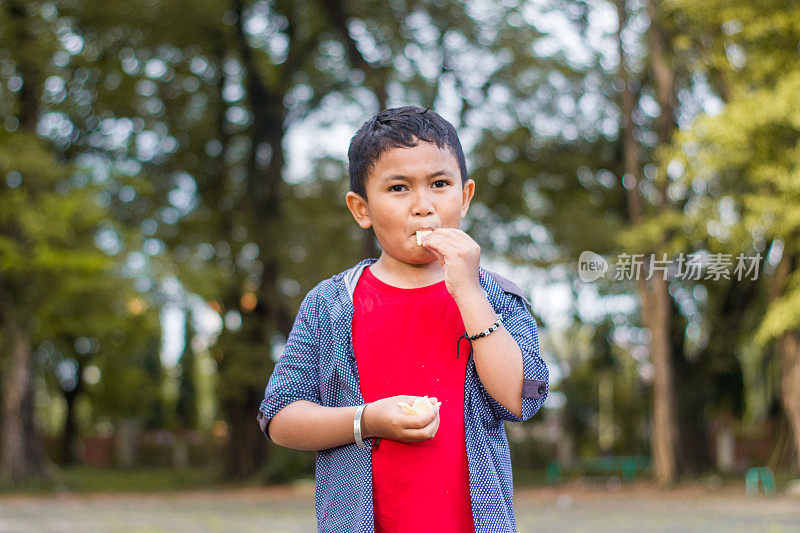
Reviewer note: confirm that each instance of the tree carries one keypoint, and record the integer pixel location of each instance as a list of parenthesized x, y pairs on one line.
[(653, 293), (47, 242), (742, 161), (591, 128), (59, 232)]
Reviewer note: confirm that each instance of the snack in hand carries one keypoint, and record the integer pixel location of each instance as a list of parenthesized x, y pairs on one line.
[(421, 405), (420, 234)]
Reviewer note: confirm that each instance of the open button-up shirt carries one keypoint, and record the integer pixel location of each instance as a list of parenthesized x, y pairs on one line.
[(319, 365)]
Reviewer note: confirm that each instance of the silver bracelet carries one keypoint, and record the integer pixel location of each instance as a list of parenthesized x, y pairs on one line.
[(357, 426)]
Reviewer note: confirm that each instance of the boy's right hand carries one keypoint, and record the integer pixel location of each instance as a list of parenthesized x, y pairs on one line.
[(385, 419)]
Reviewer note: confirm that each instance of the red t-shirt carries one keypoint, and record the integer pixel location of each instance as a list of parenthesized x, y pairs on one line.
[(405, 343)]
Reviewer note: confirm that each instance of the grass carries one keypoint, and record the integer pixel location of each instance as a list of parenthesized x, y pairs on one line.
[(86, 479), (92, 479)]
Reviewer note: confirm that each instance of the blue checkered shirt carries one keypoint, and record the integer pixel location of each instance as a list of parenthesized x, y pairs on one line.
[(318, 365)]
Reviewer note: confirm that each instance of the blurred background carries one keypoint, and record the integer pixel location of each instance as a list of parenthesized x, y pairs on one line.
[(172, 181)]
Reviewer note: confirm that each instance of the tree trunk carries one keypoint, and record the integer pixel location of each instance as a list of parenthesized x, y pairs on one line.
[(630, 151), (22, 456), (656, 310), (784, 454), (68, 455), (663, 76), (26, 62), (665, 427), (653, 294), (244, 435), (788, 348), (126, 442), (246, 447)]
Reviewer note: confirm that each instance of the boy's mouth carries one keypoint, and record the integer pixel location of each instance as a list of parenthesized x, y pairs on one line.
[(426, 228)]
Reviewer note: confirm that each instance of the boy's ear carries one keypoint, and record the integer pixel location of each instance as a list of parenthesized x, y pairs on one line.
[(358, 207), (468, 192)]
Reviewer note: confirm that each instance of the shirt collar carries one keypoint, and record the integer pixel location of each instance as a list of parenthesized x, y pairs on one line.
[(351, 276)]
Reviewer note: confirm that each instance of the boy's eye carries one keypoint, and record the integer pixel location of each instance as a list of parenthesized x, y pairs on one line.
[(438, 184)]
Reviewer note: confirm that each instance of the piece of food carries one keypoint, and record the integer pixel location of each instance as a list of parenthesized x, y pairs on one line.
[(420, 234), (407, 409), (421, 405)]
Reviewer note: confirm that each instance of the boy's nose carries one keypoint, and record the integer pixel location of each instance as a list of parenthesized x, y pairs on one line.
[(422, 204)]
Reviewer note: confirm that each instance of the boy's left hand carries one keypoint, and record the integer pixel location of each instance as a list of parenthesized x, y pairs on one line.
[(459, 256)]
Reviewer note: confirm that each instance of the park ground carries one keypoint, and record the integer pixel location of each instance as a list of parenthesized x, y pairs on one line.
[(573, 506)]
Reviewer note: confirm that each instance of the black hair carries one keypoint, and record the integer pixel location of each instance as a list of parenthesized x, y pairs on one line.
[(400, 127)]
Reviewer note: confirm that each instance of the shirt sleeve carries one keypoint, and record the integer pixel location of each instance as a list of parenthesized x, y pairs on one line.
[(296, 375), (521, 325)]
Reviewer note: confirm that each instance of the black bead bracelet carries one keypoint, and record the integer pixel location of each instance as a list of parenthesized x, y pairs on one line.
[(483, 333)]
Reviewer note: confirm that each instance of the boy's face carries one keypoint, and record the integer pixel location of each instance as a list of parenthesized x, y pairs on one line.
[(411, 189)]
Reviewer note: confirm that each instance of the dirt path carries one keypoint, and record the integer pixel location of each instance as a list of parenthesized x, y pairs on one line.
[(573, 508), (643, 507)]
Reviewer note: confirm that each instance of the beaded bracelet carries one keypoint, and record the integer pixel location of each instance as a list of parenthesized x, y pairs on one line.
[(487, 331), (483, 333)]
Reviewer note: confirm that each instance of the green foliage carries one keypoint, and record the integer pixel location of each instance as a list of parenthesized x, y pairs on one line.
[(590, 356), (741, 44), (47, 229), (129, 387), (288, 465), (745, 159)]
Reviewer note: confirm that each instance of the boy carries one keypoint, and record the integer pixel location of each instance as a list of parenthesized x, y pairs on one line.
[(422, 320)]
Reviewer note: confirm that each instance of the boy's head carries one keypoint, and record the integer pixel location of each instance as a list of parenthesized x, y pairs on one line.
[(400, 127), (407, 173)]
